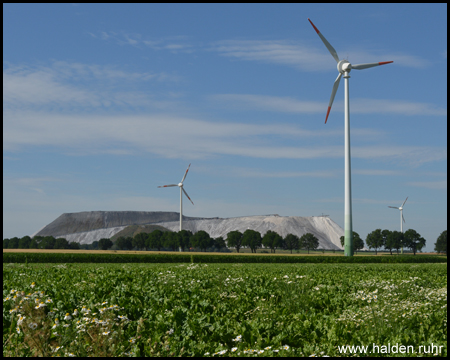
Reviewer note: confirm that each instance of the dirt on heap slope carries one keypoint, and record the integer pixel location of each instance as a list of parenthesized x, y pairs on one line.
[(86, 221)]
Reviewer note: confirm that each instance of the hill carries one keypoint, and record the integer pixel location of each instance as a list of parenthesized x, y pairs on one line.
[(133, 230), (87, 227)]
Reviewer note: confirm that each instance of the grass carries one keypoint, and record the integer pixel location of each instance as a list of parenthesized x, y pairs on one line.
[(220, 309)]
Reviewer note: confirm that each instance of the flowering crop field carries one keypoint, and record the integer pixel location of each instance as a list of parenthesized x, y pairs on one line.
[(221, 309)]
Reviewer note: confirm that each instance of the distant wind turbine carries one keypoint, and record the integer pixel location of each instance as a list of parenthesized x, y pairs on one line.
[(344, 67), (180, 185), (402, 219)]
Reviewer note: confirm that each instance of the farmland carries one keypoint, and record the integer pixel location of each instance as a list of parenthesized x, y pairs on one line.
[(221, 309)]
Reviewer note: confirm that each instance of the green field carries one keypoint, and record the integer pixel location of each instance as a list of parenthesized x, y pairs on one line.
[(222, 309)]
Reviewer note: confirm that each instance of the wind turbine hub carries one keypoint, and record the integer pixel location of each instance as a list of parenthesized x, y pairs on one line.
[(180, 184), (343, 66)]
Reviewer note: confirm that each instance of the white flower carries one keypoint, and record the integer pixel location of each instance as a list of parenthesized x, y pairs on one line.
[(32, 326), (67, 317), (21, 319), (234, 349)]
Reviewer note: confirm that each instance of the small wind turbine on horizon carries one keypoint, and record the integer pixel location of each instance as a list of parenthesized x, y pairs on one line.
[(180, 185), (402, 219), (344, 67)]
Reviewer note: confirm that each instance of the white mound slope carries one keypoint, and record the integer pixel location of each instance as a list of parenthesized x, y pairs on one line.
[(325, 229)]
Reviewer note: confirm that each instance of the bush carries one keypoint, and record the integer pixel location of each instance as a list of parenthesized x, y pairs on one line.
[(186, 258)]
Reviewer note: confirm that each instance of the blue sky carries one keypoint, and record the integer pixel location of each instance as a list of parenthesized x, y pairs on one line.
[(103, 103)]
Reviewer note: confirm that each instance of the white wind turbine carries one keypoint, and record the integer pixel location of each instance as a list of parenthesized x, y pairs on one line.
[(344, 67), (402, 219), (180, 185)]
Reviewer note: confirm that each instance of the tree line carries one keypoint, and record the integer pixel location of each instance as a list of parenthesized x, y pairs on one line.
[(186, 240)]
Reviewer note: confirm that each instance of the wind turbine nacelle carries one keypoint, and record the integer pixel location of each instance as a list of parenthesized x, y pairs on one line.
[(180, 184), (343, 66)]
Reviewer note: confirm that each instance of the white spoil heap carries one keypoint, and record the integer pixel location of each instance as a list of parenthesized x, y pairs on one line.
[(99, 225)]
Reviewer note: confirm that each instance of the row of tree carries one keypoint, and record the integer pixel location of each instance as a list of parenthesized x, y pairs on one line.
[(391, 240), (186, 240), (183, 239)]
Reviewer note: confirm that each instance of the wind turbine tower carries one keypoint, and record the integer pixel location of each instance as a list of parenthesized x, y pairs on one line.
[(180, 185), (344, 67), (402, 219)]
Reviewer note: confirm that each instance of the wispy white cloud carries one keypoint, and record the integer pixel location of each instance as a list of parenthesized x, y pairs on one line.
[(305, 57), (181, 137), (246, 172), (386, 106), (173, 44), (359, 105), (282, 52), (435, 185), (376, 172), (72, 85)]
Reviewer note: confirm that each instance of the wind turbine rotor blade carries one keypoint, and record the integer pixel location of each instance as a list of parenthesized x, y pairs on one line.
[(185, 193), (404, 201), (369, 65), (403, 218), (184, 177), (327, 44), (168, 185), (393, 207), (333, 94)]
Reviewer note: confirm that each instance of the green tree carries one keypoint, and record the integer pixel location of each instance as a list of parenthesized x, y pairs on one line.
[(394, 240), (13, 243), (309, 241), (375, 240), (121, 243), (105, 244), (291, 242), (139, 240), (171, 240), (5, 243), (219, 243), (358, 243), (93, 245), (272, 240), (201, 239), (387, 245), (61, 243), (413, 240), (441, 243), (33, 244), (24, 243), (252, 239), (128, 243), (234, 239), (154, 240), (185, 239), (48, 242), (74, 245)]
